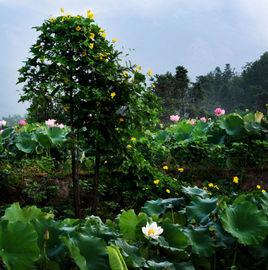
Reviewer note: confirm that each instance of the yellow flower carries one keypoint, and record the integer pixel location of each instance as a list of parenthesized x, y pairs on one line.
[(84, 53), (114, 40), (150, 72), (216, 186), (133, 139), (52, 19), (125, 74), (181, 169), (165, 167), (263, 191), (90, 14), (258, 187), (102, 33), (61, 10), (167, 190), (78, 28), (235, 179), (92, 35), (91, 46), (113, 94), (156, 182), (138, 68), (211, 185), (129, 146)]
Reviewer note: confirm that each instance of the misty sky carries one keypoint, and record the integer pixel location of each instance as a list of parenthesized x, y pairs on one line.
[(198, 34)]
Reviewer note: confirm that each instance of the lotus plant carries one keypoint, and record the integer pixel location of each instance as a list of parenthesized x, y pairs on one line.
[(152, 230)]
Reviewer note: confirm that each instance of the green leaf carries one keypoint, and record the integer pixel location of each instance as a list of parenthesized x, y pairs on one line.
[(194, 191), (116, 260), (233, 124), (57, 135), (245, 222), (88, 252), (159, 206), (202, 244), (18, 245), (153, 265), (14, 213), (25, 142), (200, 209), (44, 140), (130, 224)]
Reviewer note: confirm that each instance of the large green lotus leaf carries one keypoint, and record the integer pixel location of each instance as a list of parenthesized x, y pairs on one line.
[(116, 259), (159, 206), (131, 254), (245, 222), (175, 237), (15, 213), (184, 266), (194, 191), (130, 224), (43, 140), (57, 135), (18, 245), (200, 209), (233, 124), (88, 252), (25, 142), (201, 241), (182, 131), (153, 265)]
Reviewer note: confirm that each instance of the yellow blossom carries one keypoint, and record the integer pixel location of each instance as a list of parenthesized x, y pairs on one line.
[(138, 68), (78, 28), (91, 45), (133, 139), (211, 185), (156, 182), (61, 10), (263, 191), (150, 72), (91, 35), (258, 187), (235, 179), (84, 53), (114, 40), (102, 33), (90, 14), (167, 190), (52, 19), (125, 74), (129, 146), (165, 167), (113, 94), (181, 169), (216, 186)]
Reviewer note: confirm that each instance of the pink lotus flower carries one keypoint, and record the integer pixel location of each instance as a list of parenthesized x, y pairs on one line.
[(51, 122), (3, 123), (174, 118), (22, 122), (219, 111), (203, 119)]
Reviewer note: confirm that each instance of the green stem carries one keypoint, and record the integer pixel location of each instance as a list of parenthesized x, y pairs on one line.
[(235, 254)]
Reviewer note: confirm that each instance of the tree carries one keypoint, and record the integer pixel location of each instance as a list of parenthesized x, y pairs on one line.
[(75, 75)]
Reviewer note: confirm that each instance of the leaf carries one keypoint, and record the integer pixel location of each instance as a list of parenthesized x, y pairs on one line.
[(153, 265), (18, 245), (175, 237), (245, 222), (202, 244), (56, 135), (194, 191), (44, 140), (233, 124), (116, 260), (200, 209), (130, 224), (159, 206), (25, 142), (15, 213), (88, 252)]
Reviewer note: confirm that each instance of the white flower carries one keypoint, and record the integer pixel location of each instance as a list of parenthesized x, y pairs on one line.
[(60, 126), (152, 230), (3, 123), (51, 122)]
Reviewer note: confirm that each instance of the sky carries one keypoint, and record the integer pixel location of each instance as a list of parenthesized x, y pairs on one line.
[(160, 34)]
